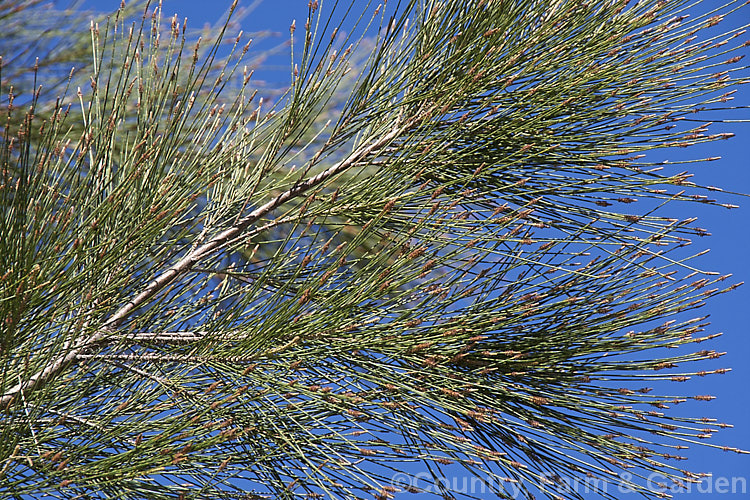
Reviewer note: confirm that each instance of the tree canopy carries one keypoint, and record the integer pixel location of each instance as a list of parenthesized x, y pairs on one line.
[(424, 256)]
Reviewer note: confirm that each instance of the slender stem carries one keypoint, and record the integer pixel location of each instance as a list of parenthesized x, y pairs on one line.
[(216, 243)]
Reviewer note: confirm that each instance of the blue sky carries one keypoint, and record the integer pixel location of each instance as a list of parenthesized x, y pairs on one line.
[(729, 244)]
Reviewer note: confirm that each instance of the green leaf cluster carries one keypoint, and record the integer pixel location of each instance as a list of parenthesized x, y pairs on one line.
[(423, 258)]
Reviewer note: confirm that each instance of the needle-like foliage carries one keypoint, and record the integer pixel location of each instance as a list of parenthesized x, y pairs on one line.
[(424, 263)]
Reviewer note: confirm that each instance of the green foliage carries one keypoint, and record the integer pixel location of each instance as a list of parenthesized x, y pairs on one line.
[(414, 260)]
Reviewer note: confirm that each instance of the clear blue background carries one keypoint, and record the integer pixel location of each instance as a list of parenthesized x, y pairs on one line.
[(729, 243)]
